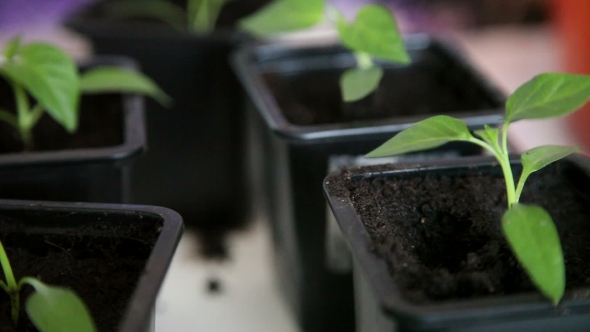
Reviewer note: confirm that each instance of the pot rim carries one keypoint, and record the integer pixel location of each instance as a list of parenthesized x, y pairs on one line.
[(252, 59), (149, 32)]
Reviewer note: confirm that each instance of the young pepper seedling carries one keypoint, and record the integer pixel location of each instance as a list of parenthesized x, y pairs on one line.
[(50, 308), (529, 229), (373, 35), (50, 77)]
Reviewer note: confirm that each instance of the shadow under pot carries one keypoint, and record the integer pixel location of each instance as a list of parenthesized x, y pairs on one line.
[(115, 257), (92, 165), (299, 129), (201, 133), (430, 254)]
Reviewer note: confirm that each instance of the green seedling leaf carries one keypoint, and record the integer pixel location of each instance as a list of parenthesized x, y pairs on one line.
[(548, 95), (284, 16), (534, 240), (203, 14), (193, 8), (374, 31), (537, 158), (426, 134), (489, 135), (12, 47), (120, 80), (357, 83), (162, 10), (51, 77), (57, 309)]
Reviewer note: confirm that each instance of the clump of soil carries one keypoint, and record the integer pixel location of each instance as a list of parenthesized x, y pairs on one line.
[(214, 286), (103, 269), (441, 235), (426, 87)]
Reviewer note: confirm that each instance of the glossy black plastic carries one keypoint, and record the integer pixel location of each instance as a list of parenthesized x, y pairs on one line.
[(380, 307), (89, 219), (289, 162), (80, 175)]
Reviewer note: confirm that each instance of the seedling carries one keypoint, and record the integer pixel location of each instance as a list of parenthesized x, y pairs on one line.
[(50, 77), (529, 229), (200, 15), (373, 35), (50, 308)]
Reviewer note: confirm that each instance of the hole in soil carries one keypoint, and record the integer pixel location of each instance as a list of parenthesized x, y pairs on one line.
[(446, 242)]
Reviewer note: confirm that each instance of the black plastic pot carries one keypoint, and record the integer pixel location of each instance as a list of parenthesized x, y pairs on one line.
[(88, 233), (202, 132), (291, 160), (97, 172), (381, 305)]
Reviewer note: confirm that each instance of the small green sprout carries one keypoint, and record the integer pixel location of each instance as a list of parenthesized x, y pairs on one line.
[(373, 35), (50, 308), (529, 229), (50, 77), (200, 16)]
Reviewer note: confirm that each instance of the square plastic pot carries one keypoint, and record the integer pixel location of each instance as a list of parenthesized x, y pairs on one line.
[(89, 174), (380, 305), (288, 162), (83, 230), (202, 132)]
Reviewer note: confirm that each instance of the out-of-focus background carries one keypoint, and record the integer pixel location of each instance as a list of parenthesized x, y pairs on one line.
[(508, 40)]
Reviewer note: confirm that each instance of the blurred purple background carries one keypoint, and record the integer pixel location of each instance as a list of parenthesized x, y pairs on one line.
[(19, 15)]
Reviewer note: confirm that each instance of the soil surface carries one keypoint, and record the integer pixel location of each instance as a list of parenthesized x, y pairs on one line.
[(441, 234), (103, 270), (429, 86), (101, 125)]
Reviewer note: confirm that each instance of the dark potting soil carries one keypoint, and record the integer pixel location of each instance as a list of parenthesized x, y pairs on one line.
[(101, 125), (103, 270), (427, 87), (441, 235)]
